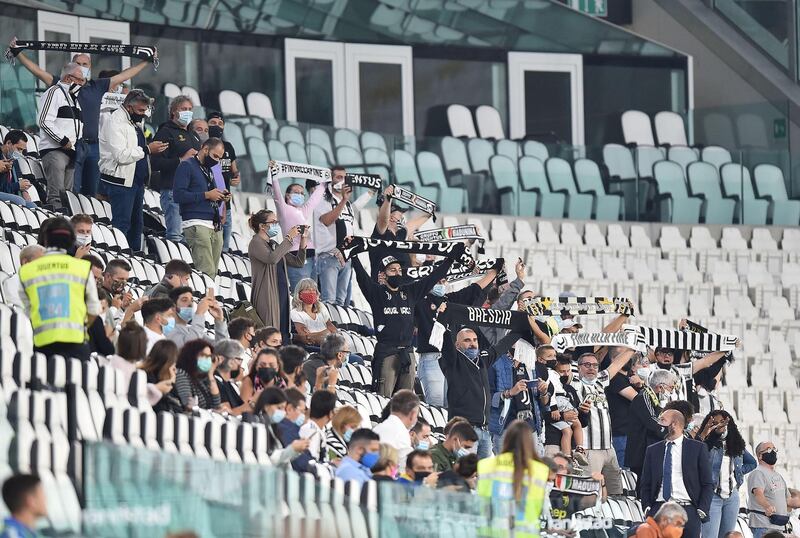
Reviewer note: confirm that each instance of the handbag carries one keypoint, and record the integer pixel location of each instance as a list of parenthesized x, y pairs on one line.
[(244, 309), (780, 520)]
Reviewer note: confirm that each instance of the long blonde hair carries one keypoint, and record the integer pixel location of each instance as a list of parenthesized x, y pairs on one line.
[(518, 439), (303, 285)]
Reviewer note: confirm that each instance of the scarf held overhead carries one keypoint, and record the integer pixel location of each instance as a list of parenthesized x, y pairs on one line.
[(414, 200), (562, 342), (357, 245), (460, 272), (682, 340), (451, 233), (110, 49), (372, 181), (578, 306), (286, 170)]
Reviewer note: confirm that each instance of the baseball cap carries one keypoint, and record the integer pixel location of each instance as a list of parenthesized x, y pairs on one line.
[(389, 260), (664, 350), (214, 114)]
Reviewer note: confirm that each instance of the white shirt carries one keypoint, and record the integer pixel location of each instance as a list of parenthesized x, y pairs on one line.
[(152, 338), (312, 325), (679, 492), (393, 432), (13, 290), (727, 481), (318, 440), (325, 236)]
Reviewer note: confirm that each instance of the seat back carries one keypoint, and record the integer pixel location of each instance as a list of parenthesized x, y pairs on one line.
[(297, 152), (430, 167), (290, 133), (480, 151), (346, 137), (536, 149), (260, 105), (351, 158), (769, 180), (192, 94), (682, 155), (504, 172), (321, 138), (559, 173), (619, 161), (646, 157), (231, 103), (405, 168), (490, 125), (372, 140), (532, 174), (233, 134), (704, 179), (716, 155), (588, 176), (317, 156), (277, 151), (669, 179), (461, 122), (454, 153), (171, 90), (670, 129), (637, 129), (736, 181), (509, 148), (258, 154)]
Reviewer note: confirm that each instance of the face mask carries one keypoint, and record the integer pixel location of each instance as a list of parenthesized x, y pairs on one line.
[(438, 290), (663, 399), (185, 117), (83, 239), (551, 363), (423, 445), (277, 416), (274, 230), (203, 136), (770, 458), (235, 373), (420, 476), (394, 281), (308, 297), (346, 358), (87, 73), (564, 379), (186, 313), (215, 131), (74, 89), (671, 531), (15, 155), (643, 373), (204, 364), (119, 89), (338, 186), (266, 374), (369, 459), (348, 434), (166, 329), (588, 381), (664, 366), (472, 353), (461, 452), (296, 199), (210, 162), (300, 420)]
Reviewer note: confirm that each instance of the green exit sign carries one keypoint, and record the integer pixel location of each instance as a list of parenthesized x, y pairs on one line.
[(598, 8), (779, 128)]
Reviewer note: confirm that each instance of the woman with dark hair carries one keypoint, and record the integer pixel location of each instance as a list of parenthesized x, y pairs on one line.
[(271, 408), (195, 384), (730, 461), (160, 367), (514, 481), (265, 371), (269, 253)]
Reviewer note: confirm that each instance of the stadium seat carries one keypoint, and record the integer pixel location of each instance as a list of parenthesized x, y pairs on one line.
[(637, 129), (507, 182), (559, 174), (670, 129), (489, 123), (480, 153), (716, 155), (736, 182), (704, 183), (346, 138), (259, 105), (674, 202), (532, 148), (461, 122), (606, 206), (373, 140), (405, 172), (509, 148), (322, 139), (431, 174), (454, 156), (170, 90), (290, 133), (771, 185), (231, 103), (536, 198), (682, 155)]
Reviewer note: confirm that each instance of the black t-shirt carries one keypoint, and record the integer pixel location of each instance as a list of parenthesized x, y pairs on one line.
[(563, 505), (226, 164), (376, 255), (521, 402), (618, 406), (470, 296), (227, 393)]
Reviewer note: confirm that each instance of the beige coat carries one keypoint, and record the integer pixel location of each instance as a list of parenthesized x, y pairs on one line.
[(264, 259)]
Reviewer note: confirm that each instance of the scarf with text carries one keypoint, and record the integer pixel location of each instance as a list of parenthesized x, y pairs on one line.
[(578, 306), (563, 341), (451, 233), (414, 200), (371, 181), (357, 245), (287, 170), (579, 485), (460, 272), (108, 49), (682, 340), (458, 316)]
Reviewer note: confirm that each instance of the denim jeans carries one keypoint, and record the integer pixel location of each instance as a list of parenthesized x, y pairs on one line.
[(758, 532), (333, 278), (619, 442), (432, 379), (127, 213), (172, 216), (484, 443), (227, 228), (87, 168), (14, 199), (721, 516), (296, 274)]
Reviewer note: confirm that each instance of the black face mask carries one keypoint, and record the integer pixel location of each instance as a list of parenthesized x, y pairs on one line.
[(235, 373), (210, 161), (136, 118), (394, 281), (551, 363), (770, 458), (420, 476), (215, 131), (564, 379), (664, 366), (266, 374)]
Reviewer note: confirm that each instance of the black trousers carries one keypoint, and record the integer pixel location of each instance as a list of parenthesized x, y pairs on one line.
[(693, 524), (78, 351)]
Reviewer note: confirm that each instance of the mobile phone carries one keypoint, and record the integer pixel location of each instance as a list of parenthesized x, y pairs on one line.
[(210, 292), (533, 383), (302, 229)]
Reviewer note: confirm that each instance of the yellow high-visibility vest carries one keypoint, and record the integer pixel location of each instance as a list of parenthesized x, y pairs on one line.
[(56, 288), (496, 484)]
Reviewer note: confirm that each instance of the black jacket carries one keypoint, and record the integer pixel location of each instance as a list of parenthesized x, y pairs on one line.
[(426, 309), (552, 435), (180, 141), (468, 392), (643, 429), (696, 468)]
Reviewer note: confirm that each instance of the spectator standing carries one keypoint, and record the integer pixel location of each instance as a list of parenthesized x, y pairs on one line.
[(13, 187), (404, 409), (505, 301), (190, 323), (295, 210), (768, 497), (363, 452), (620, 392), (160, 367), (200, 127), (677, 469), (458, 443), (230, 171), (183, 145), (269, 259), (665, 360), (195, 384), (195, 191), (125, 165), (25, 499), (310, 317), (176, 273), (645, 410), (346, 420), (730, 461), (333, 221), (668, 522), (89, 98), (12, 285), (391, 225), (59, 295)]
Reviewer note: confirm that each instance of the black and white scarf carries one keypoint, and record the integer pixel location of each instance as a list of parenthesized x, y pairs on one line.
[(357, 245), (414, 200), (460, 272), (287, 170), (564, 341), (682, 340), (578, 306), (108, 49), (371, 181), (451, 233), (457, 316)]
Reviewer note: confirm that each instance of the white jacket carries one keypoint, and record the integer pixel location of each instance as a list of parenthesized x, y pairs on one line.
[(59, 117), (119, 149)]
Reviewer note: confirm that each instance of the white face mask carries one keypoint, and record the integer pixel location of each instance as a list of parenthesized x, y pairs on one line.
[(87, 73), (83, 239)]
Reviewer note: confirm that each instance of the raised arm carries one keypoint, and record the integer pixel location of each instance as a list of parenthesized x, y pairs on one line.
[(127, 74), (258, 250), (538, 333), (34, 68), (414, 224), (619, 361), (370, 289), (331, 216), (708, 360), (382, 222), (363, 200), (314, 200), (418, 289)]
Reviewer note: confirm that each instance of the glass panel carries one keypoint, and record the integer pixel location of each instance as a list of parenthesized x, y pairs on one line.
[(381, 91), (314, 83), (102, 62), (762, 21), (548, 105), (17, 86), (54, 61)]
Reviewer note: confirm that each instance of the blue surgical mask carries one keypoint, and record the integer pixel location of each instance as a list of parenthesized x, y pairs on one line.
[(274, 230), (369, 459), (277, 416), (348, 434), (346, 358), (185, 117), (204, 363), (461, 452), (297, 199), (186, 313), (472, 353), (438, 290), (15, 155), (300, 420), (423, 445), (87, 73), (166, 329)]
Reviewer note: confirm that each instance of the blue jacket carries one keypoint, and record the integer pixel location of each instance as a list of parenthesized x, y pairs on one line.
[(741, 465), (189, 189), (501, 378), (696, 469)]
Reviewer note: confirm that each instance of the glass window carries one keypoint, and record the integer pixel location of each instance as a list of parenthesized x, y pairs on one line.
[(314, 83), (548, 105), (18, 98), (381, 92), (101, 62)]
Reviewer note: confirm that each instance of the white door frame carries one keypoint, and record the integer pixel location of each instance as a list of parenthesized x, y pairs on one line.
[(316, 50), (385, 54), (104, 29), (519, 63)]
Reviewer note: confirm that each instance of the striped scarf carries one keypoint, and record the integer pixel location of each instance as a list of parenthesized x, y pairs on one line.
[(578, 306)]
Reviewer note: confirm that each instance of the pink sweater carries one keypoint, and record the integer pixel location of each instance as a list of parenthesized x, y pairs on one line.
[(291, 216)]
